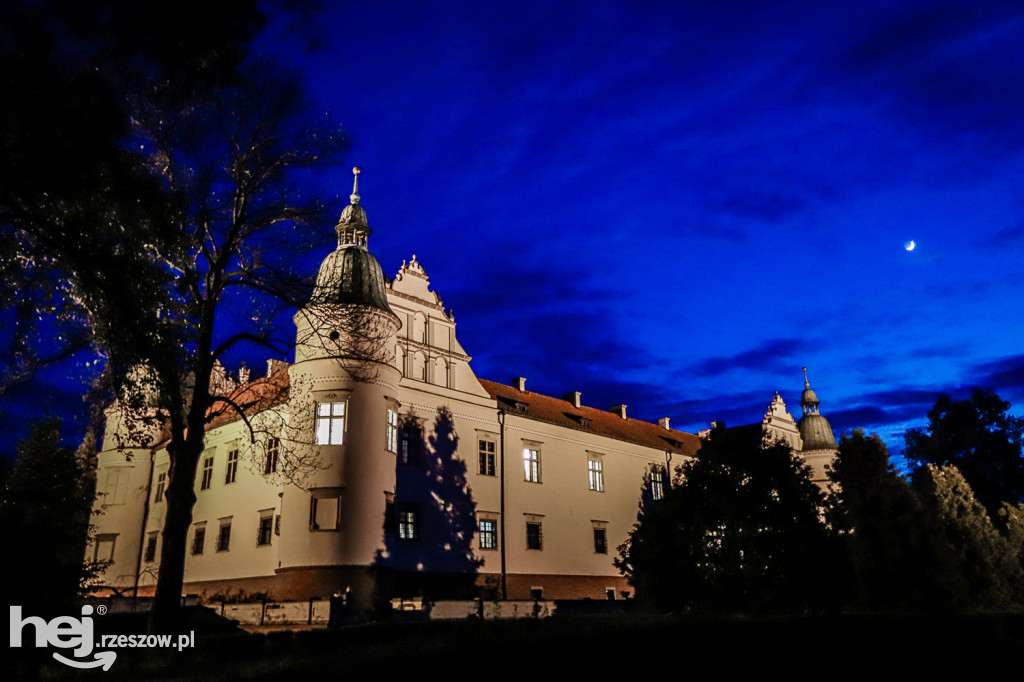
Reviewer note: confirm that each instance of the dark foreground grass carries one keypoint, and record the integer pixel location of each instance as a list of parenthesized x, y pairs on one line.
[(600, 647)]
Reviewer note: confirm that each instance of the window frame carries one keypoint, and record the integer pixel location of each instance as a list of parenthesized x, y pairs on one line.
[(408, 524), (391, 438), (207, 478), (198, 539), (536, 537), (224, 536), (531, 463), (317, 494), (265, 529), (488, 537), (149, 554), (487, 457), (272, 453), (595, 472), (231, 470), (161, 486), (657, 484), (600, 540), (330, 425)]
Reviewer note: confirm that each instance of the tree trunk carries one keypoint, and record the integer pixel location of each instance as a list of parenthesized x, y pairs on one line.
[(181, 498)]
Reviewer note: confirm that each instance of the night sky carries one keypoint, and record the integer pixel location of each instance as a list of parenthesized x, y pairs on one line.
[(677, 205)]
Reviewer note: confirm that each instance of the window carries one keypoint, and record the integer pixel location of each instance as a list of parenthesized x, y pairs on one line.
[(392, 434), (224, 537), (488, 534), (232, 470), (161, 485), (536, 593), (409, 444), (199, 538), (266, 528), (657, 485), (600, 541), (117, 486), (534, 536), (277, 525), (150, 554), (207, 474), (324, 509), (531, 464), (486, 458), (330, 423), (595, 468), (273, 449), (408, 524), (105, 548)]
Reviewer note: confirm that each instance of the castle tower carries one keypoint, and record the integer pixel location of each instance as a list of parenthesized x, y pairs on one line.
[(819, 443), (342, 408)]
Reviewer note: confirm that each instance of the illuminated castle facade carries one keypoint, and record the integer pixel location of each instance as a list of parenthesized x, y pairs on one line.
[(378, 464)]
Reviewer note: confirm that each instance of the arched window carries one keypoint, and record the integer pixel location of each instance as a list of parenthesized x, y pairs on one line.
[(400, 360), (419, 328), (419, 367)]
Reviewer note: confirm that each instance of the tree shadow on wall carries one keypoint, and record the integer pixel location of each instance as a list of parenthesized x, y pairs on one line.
[(430, 524)]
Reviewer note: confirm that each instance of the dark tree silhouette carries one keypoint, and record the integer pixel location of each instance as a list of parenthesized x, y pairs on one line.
[(45, 508), (891, 555), (740, 530), (163, 191), (432, 521), (981, 439)]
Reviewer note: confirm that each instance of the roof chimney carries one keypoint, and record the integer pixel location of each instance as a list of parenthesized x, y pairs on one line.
[(520, 384), (619, 410), (573, 398), (663, 423)]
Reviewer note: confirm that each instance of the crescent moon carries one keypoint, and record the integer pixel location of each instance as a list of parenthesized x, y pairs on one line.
[(910, 246)]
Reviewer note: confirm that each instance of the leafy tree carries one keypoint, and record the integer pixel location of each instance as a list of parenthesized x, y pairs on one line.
[(986, 568), (740, 530), (981, 439), (891, 556), (176, 202), (45, 507)]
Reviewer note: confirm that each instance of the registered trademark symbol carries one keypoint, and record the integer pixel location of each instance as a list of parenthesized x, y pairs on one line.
[(101, 609)]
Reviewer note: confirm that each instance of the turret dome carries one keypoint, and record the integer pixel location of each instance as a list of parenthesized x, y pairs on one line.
[(350, 274), (815, 431)]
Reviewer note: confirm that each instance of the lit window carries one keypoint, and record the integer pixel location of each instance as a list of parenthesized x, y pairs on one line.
[(600, 541), (161, 485), (273, 450), (232, 468), (486, 458), (407, 525), (392, 434), (330, 423), (224, 537), (324, 510), (596, 469), (150, 554), (657, 485), (266, 528), (534, 536), (207, 474), (488, 534), (199, 539), (531, 464)]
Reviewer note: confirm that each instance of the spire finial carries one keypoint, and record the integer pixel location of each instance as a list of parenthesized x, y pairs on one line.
[(354, 197), (807, 384)]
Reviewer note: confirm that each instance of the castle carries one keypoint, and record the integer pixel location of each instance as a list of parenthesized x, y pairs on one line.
[(378, 464)]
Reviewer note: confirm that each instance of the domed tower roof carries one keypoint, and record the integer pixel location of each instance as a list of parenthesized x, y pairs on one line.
[(815, 431), (350, 274)]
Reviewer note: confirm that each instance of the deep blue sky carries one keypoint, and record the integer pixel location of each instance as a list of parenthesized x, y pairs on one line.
[(677, 205)]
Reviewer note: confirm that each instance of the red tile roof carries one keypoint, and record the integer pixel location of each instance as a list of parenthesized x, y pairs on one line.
[(591, 420)]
